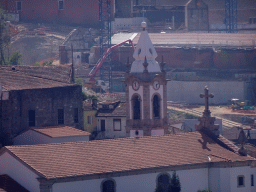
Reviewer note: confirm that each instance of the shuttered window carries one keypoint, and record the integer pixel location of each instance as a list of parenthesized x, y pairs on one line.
[(117, 124)]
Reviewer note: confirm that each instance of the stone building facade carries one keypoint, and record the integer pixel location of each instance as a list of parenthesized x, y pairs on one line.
[(35, 101)]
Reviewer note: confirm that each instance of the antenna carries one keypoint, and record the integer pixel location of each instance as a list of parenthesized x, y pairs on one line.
[(143, 13)]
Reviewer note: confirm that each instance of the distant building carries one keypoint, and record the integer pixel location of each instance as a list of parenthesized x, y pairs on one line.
[(111, 120), (59, 11), (90, 110), (35, 96)]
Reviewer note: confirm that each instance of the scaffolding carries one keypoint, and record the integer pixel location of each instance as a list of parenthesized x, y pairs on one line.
[(105, 37), (231, 16)]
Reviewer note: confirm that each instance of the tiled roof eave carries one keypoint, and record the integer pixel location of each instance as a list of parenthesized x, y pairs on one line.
[(22, 162)]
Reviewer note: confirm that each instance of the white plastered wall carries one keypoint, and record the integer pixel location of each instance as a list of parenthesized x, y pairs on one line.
[(109, 127), (191, 180), (20, 173), (32, 137)]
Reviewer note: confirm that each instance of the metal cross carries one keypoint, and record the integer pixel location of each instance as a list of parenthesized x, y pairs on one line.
[(206, 95)]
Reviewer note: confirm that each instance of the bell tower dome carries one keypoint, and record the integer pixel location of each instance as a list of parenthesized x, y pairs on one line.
[(146, 91)]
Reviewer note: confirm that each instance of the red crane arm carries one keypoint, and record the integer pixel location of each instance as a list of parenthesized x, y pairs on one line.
[(103, 58)]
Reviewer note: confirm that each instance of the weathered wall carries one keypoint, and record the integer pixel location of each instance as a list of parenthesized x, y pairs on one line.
[(188, 91), (46, 103), (192, 58), (84, 12), (109, 128)]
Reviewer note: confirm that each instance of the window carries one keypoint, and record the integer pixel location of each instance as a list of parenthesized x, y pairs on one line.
[(163, 181), (89, 120), (108, 186), (18, 5), (75, 115), (117, 124), (102, 124), (252, 180), (60, 116), (136, 107), (31, 118), (240, 181), (156, 107), (61, 5)]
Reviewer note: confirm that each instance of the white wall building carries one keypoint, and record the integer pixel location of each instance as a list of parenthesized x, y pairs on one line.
[(111, 120), (130, 164), (59, 134)]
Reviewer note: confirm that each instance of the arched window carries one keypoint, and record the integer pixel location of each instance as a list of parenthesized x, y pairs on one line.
[(136, 107), (156, 107), (108, 186), (163, 182)]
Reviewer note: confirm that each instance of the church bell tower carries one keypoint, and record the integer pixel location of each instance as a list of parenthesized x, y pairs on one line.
[(146, 91)]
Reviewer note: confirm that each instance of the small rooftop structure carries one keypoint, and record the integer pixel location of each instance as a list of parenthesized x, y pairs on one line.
[(57, 134)]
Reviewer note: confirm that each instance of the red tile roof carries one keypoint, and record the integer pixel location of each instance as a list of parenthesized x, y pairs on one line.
[(118, 111), (34, 77), (118, 155), (7, 184), (60, 131)]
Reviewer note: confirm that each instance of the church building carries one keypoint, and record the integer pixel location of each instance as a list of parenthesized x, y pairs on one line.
[(146, 91), (203, 160)]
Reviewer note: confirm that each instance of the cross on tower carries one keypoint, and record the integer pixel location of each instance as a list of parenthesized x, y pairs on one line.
[(206, 95)]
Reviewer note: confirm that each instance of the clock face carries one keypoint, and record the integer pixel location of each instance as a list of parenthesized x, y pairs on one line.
[(156, 85), (135, 85)]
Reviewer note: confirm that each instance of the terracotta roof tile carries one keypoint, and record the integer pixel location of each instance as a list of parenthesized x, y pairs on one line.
[(117, 155), (118, 111), (30, 77), (61, 131), (7, 184)]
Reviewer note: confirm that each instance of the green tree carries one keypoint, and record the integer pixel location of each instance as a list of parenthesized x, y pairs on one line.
[(84, 96), (160, 188), (47, 63), (15, 59), (79, 81), (5, 37), (175, 183)]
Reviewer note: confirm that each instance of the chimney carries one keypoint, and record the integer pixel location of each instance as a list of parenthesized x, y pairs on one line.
[(94, 103)]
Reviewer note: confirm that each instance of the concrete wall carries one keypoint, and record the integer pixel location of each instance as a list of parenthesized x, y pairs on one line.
[(32, 137), (189, 91), (20, 173)]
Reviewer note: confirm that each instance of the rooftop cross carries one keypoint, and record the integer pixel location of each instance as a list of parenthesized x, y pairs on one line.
[(206, 95)]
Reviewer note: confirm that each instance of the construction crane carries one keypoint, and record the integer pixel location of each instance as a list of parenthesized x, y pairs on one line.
[(105, 31), (103, 58)]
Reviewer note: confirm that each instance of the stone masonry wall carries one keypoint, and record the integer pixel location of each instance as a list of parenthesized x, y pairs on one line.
[(46, 103)]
